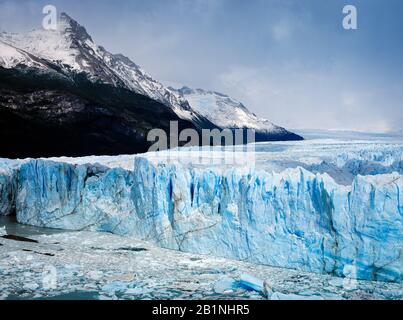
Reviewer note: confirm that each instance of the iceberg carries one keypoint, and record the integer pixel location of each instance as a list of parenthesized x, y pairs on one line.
[(252, 283), (286, 217)]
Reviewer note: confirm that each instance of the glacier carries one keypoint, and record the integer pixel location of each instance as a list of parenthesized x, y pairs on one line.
[(8, 189), (305, 206)]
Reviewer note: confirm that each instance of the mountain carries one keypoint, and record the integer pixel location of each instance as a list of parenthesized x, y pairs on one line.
[(61, 94), (226, 112), (11, 56), (72, 49), (46, 114)]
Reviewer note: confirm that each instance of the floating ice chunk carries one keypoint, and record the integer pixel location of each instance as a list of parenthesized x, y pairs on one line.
[(115, 286), (252, 283), (225, 285), (31, 286), (138, 291)]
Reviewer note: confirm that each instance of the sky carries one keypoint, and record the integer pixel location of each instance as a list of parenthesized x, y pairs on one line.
[(290, 61)]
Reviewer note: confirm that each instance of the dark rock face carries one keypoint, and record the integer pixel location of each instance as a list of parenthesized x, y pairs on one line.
[(284, 135), (46, 114)]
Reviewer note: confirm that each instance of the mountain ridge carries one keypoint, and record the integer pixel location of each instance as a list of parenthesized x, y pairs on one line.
[(228, 113), (72, 48), (70, 56)]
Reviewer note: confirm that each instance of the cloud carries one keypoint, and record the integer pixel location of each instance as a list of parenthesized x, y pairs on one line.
[(299, 97)]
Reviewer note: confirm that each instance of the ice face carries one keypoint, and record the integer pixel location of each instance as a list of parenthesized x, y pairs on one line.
[(290, 217), (325, 207), (8, 186)]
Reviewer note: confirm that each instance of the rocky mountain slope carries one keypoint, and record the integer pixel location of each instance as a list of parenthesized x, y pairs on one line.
[(72, 49), (47, 113), (61, 94)]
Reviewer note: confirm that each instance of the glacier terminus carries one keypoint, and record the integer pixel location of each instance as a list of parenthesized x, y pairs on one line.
[(323, 206)]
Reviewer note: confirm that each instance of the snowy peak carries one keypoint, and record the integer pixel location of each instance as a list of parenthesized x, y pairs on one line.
[(11, 57), (73, 49), (52, 45), (72, 27), (225, 111)]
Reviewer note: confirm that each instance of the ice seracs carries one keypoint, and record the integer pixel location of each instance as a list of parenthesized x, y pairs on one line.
[(8, 188)]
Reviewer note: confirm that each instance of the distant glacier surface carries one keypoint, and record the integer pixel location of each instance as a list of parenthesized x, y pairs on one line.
[(325, 206)]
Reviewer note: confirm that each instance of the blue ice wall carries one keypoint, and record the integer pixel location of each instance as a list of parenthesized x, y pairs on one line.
[(8, 186), (294, 219)]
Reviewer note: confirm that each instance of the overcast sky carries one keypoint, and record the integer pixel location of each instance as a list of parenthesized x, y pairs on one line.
[(289, 61)]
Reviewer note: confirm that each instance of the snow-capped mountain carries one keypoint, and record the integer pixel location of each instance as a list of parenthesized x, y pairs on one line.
[(62, 94), (72, 49), (11, 57), (226, 112)]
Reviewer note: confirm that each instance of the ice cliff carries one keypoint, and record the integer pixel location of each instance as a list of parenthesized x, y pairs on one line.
[(293, 218), (8, 188)]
